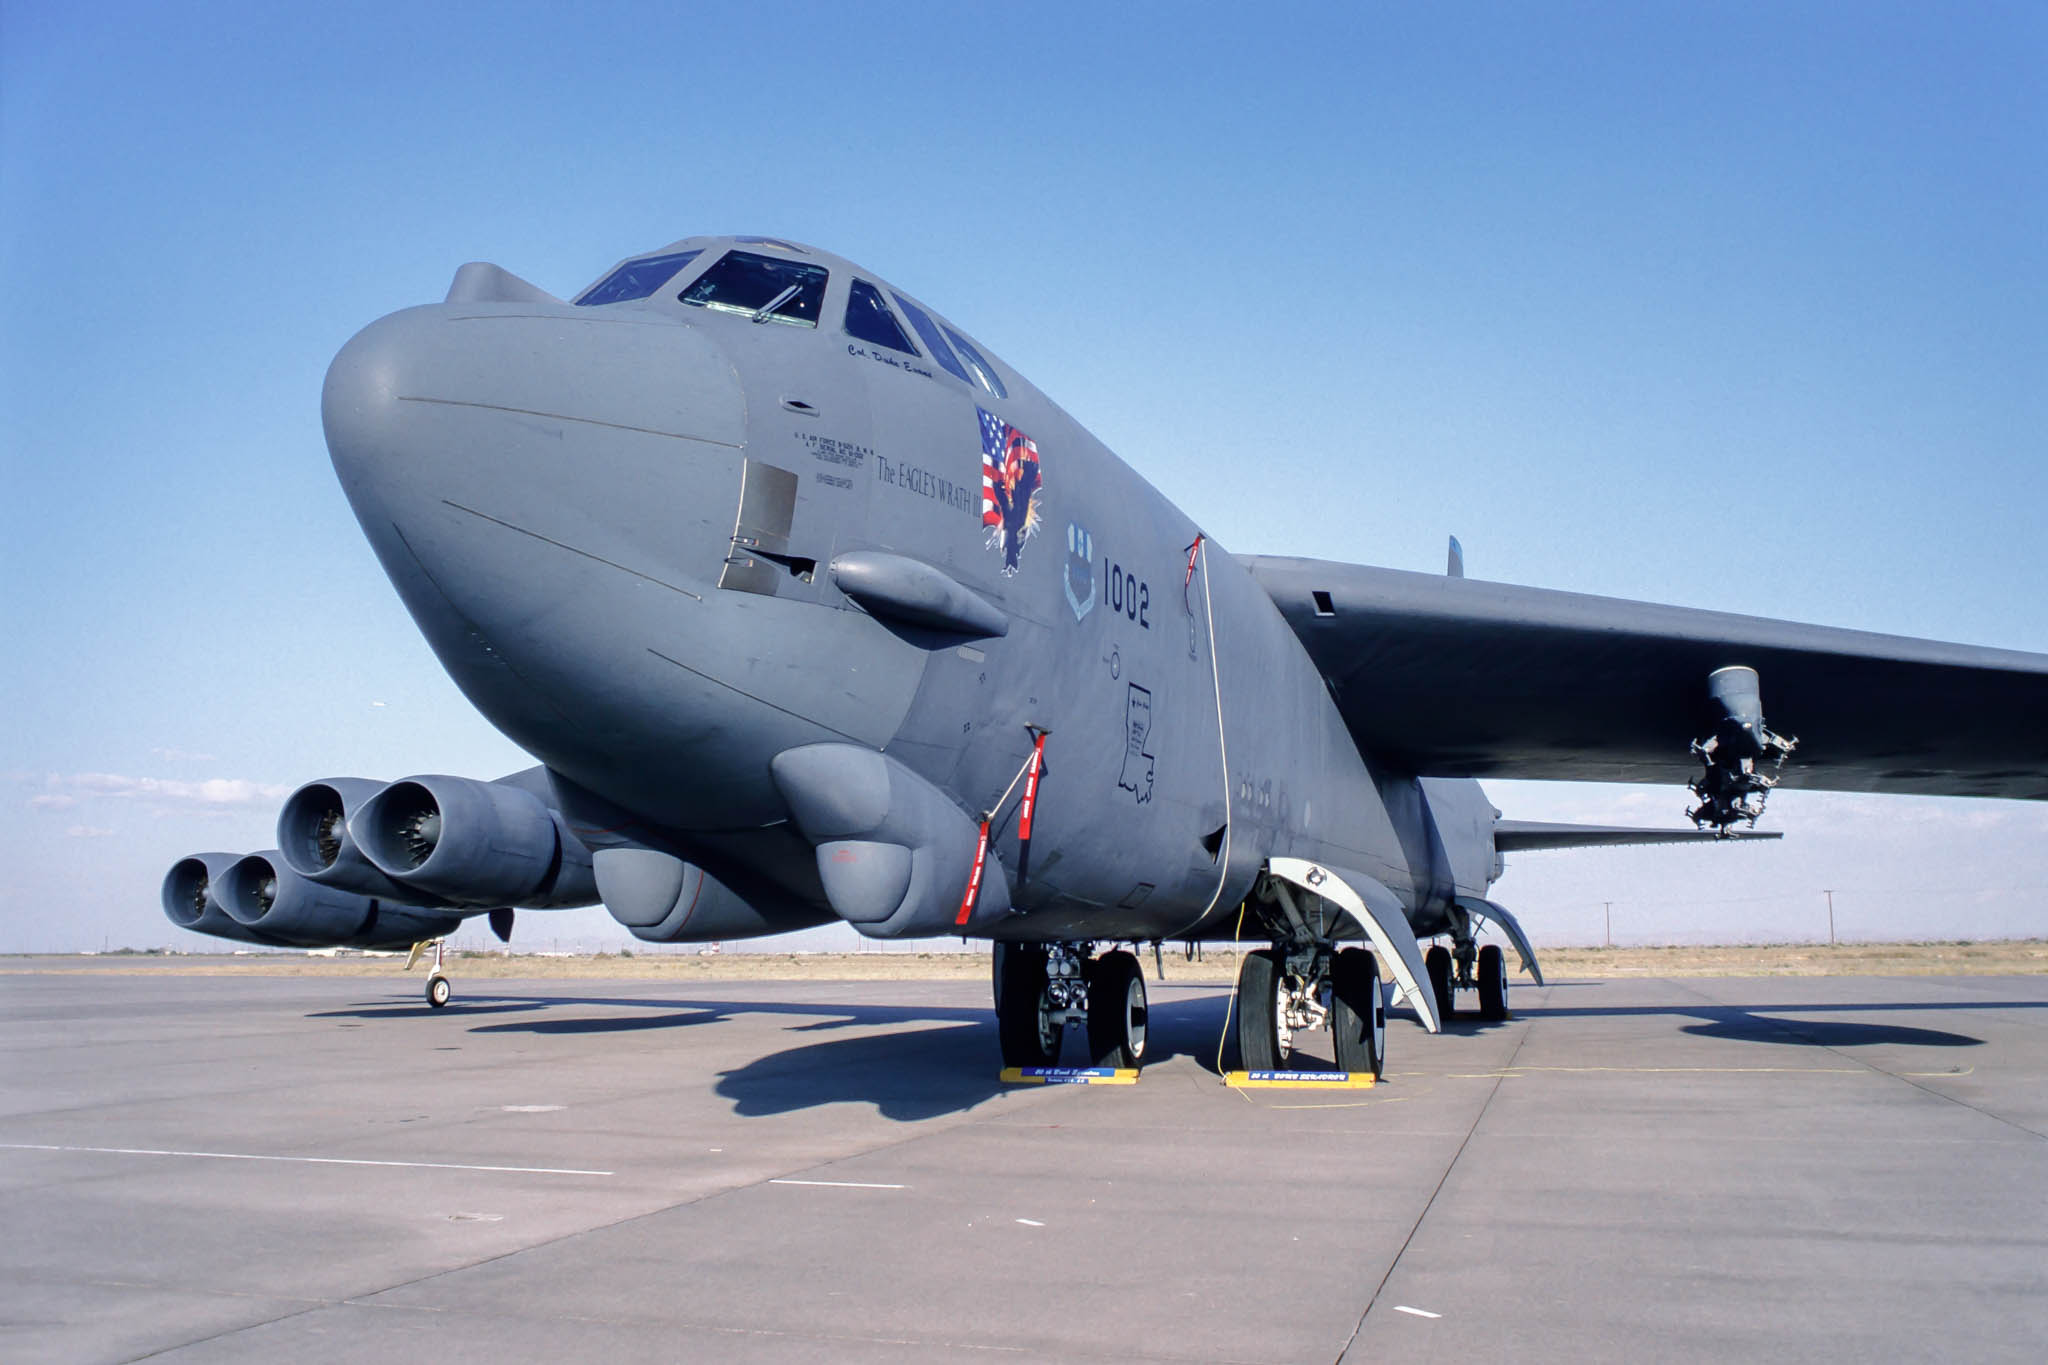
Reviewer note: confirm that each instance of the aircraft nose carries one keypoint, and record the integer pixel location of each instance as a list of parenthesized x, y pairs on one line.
[(434, 402)]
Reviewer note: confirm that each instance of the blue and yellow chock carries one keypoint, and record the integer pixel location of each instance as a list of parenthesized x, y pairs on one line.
[(1299, 1080), (1070, 1075)]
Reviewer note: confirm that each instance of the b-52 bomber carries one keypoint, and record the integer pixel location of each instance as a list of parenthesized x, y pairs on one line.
[(811, 608)]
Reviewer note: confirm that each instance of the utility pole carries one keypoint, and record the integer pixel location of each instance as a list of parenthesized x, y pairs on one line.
[(1831, 917), (1608, 906)]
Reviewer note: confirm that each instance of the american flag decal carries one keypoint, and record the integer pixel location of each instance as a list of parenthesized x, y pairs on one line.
[(1009, 485)]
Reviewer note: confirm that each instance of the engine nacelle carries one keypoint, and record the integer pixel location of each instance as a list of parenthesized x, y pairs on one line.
[(314, 840), (189, 902), (663, 899), (261, 893), (473, 843)]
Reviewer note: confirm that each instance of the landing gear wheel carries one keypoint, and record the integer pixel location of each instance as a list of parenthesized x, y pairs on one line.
[(1438, 961), (1116, 1011), (438, 991), (1025, 1025), (1264, 1042), (1493, 983), (1358, 1013)]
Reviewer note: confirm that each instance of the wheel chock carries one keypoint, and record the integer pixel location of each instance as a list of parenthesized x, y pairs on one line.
[(1299, 1080), (1069, 1075)]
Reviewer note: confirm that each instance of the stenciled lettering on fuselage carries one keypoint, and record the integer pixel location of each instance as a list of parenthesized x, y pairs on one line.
[(1136, 777), (909, 478), (1009, 487), (828, 450)]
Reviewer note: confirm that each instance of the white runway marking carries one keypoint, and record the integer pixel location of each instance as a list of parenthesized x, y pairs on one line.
[(842, 1184), (1418, 1312), (1031, 1222), (302, 1160)]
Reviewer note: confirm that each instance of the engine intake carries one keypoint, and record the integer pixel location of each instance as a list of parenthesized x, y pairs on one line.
[(261, 893), (313, 839), (189, 901), (473, 843)]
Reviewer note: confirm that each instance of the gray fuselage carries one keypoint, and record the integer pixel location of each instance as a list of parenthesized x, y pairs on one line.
[(617, 526)]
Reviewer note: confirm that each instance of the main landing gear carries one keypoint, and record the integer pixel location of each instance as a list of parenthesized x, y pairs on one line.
[(1291, 989), (1041, 988), (1466, 966)]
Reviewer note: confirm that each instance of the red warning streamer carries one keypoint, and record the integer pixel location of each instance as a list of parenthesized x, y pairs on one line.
[(974, 879), (1194, 551), (1030, 806)]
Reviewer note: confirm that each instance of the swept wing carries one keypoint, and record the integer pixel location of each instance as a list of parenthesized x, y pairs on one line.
[(1457, 677)]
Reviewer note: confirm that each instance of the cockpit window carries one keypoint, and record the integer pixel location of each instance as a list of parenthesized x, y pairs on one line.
[(761, 287), (975, 363), (637, 279), (934, 343), (868, 317)]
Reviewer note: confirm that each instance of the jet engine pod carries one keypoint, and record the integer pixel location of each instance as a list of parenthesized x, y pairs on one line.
[(263, 894), (470, 843), (189, 902), (894, 853), (663, 899), (314, 840)]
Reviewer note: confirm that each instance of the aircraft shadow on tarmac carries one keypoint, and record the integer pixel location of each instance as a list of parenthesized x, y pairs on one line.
[(1763, 1024), (911, 1073), (922, 1073)]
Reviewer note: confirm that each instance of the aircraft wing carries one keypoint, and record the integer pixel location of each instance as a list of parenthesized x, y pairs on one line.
[(1456, 677), (1520, 836)]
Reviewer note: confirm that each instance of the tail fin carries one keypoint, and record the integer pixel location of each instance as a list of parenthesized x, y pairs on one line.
[(1455, 566)]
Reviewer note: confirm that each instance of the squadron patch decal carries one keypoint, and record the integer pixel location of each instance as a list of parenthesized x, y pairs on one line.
[(1079, 579), (1009, 487)]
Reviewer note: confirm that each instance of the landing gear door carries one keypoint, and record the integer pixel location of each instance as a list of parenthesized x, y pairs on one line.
[(1383, 920)]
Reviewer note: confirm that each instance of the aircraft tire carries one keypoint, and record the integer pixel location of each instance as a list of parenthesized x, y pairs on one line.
[(1258, 1012), (1493, 983), (1117, 1014), (1358, 1013), (1027, 1037), (438, 991), (1438, 962)]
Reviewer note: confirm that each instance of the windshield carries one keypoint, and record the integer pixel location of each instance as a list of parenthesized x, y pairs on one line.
[(637, 279), (761, 287)]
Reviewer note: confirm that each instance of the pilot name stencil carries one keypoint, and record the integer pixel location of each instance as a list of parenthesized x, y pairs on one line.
[(1136, 777)]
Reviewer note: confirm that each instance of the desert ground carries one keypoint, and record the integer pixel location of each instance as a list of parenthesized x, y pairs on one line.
[(1217, 963)]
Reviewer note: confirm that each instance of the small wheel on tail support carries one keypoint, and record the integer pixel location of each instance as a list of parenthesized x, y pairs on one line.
[(1025, 1026), (1493, 983), (1358, 1013), (1117, 1016), (438, 990), (1438, 962), (1264, 1042)]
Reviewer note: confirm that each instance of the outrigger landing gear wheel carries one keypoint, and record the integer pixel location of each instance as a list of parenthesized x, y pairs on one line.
[(1358, 1013), (438, 990), (1263, 1040), (1026, 1025), (1438, 962), (1116, 1011), (1493, 983)]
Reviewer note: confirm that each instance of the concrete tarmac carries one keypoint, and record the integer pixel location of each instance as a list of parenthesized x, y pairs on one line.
[(262, 1169)]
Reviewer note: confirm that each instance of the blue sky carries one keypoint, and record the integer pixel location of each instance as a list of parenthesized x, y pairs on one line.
[(1742, 306)]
